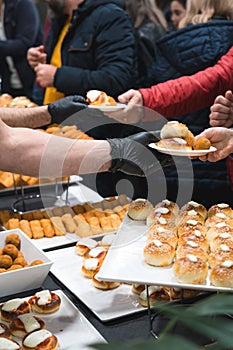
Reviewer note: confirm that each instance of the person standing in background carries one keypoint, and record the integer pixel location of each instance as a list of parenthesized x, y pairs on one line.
[(177, 12), (90, 45), (149, 25), (20, 28)]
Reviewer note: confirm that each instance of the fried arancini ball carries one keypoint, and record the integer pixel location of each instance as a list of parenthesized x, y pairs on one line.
[(20, 261), (201, 143), (1, 249), (10, 249), (13, 238), (5, 261), (36, 262), (15, 267)]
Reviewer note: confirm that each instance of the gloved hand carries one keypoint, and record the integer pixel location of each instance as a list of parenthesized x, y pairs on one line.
[(73, 110), (65, 107), (132, 156)]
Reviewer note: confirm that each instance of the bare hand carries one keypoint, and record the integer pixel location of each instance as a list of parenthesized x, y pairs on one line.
[(222, 139), (131, 97), (45, 75), (222, 110), (36, 55), (131, 114)]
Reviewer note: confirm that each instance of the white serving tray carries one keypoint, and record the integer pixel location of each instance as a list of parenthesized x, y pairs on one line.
[(70, 326), (106, 305), (27, 278), (124, 261)]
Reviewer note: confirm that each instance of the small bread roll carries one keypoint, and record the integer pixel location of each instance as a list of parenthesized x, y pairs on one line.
[(222, 275), (162, 235), (45, 302), (104, 285), (139, 209), (224, 238), (220, 254), (156, 294), (197, 237), (221, 227), (166, 203), (220, 208), (162, 212), (218, 218), (190, 226), (157, 253), (105, 223), (189, 215), (174, 129), (190, 270), (192, 205), (191, 247)]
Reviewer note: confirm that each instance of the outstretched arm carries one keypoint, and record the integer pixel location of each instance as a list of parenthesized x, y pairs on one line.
[(222, 139), (34, 153)]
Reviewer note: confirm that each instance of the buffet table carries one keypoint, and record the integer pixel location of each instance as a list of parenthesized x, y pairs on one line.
[(127, 327)]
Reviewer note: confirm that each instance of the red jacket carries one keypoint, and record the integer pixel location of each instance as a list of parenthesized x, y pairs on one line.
[(191, 93)]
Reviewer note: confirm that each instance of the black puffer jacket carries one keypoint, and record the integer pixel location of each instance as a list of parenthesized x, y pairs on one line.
[(23, 30), (98, 51)]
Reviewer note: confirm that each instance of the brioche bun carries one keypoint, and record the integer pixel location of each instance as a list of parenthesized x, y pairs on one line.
[(190, 270), (139, 209), (174, 129), (222, 275), (157, 253)]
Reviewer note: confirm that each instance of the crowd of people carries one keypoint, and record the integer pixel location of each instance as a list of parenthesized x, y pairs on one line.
[(158, 58)]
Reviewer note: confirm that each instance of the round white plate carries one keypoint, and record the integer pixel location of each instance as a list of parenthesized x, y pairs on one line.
[(104, 108), (183, 153)]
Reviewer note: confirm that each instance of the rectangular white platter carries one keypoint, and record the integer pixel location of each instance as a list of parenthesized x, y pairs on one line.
[(106, 305), (70, 326), (124, 261)]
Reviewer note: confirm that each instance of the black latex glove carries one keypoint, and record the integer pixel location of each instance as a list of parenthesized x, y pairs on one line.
[(65, 107), (73, 110), (132, 156)]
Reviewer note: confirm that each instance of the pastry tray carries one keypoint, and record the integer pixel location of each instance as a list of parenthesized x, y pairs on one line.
[(124, 261), (107, 304), (18, 190), (70, 326)]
